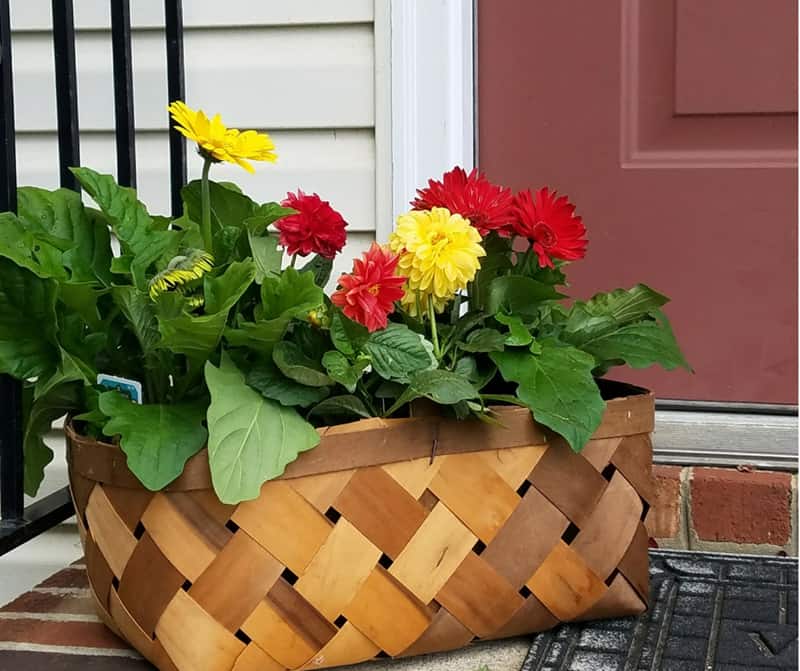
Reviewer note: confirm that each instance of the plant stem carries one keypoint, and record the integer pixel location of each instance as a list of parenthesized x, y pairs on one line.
[(293, 261), (434, 334), (205, 198)]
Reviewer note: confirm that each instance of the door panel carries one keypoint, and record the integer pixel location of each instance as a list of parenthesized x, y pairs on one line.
[(672, 125)]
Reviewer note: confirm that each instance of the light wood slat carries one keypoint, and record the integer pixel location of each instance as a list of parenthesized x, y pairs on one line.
[(210, 646), (109, 531), (283, 521), (387, 614), (277, 637), (324, 584), (433, 553), (514, 464), (349, 646), (475, 493), (187, 549), (254, 658), (565, 584), (414, 475), (321, 490)]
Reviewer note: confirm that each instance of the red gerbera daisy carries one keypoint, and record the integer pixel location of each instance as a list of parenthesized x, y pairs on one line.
[(367, 295), (316, 228), (550, 224), (489, 207)]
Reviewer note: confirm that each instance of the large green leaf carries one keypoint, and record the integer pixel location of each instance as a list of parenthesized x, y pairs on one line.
[(30, 249), (251, 439), (60, 214), (157, 439), (228, 207), (557, 385), (624, 305), (336, 408), (271, 383), (266, 255), (347, 336), (518, 295), (140, 312), (197, 336), (640, 344), (397, 352), (39, 417), (320, 268), (518, 334), (130, 222), (295, 365), (342, 371), (293, 294), (442, 386), (484, 340), (28, 346)]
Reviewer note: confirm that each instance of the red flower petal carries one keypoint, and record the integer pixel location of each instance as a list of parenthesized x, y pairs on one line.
[(489, 207), (316, 228), (549, 222), (367, 295)]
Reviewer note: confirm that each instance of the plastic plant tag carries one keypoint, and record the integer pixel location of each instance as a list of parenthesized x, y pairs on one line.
[(131, 388)]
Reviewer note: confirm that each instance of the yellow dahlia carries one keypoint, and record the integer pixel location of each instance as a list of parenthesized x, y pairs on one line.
[(439, 254), (220, 143)]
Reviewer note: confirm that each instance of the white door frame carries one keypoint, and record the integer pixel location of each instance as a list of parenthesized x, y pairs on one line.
[(425, 97)]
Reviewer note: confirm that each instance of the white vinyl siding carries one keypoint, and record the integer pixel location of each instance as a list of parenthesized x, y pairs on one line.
[(305, 71)]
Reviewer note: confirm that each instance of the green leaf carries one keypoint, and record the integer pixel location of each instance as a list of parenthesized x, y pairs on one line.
[(342, 371), (250, 438), (484, 340), (640, 345), (347, 336), (157, 439), (70, 369), (141, 314), (198, 336), (224, 243), (261, 336), (320, 268), (29, 249), (28, 346), (518, 333), (271, 383), (293, 294), (479, 373), (442, 386), (228, 207), (39, 419), (130, 222), (624, 305), (518, 295), (397, 352), (60, 214), (266, 215), (266, 255), (336, 407), (291, 361), (558, 387)]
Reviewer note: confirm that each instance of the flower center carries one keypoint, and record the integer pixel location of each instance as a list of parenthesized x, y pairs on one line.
[(374, 289), (543, 234)]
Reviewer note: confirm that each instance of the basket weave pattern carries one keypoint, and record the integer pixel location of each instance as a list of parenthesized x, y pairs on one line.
[(393, 559)]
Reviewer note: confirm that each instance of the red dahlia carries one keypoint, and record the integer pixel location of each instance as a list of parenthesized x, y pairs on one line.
[(367, 295), (550, 224), (489, 207), (316, 228)]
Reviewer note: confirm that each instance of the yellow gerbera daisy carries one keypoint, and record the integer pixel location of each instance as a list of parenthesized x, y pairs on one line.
[(439, 254), (180, 271), (220, 143)]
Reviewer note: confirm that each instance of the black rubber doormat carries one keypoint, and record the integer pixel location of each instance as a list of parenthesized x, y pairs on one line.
[(709, 612)]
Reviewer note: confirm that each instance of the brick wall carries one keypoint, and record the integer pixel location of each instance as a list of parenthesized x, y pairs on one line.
[(724, 510)]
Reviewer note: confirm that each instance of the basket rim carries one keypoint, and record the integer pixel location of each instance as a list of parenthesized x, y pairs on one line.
[(377, 441)]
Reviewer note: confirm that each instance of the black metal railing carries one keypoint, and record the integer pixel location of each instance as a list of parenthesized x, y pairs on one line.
[(18, 523)]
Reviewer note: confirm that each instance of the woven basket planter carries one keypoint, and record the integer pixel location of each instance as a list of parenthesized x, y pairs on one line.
[(366, 547)]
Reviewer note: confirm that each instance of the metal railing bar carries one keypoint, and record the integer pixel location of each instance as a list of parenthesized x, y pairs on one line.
[(123, 92), (176, 90), (39, 517), (11, 451), (66, 91), (728, 407)]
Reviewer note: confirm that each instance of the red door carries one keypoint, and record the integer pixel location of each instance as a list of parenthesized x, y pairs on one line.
[(672, 125)]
